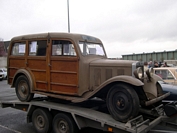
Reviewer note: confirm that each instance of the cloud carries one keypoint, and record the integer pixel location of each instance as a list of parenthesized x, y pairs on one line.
[(125, 27)]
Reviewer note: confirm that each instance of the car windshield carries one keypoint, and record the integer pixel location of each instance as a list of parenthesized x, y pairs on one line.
[(91, 48)]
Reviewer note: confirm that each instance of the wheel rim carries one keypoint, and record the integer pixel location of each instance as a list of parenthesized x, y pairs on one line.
[(40, 122), (23, 89), (121, 101), (63, 126)]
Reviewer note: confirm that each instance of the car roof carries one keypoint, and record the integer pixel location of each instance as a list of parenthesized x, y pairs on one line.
[(49, 35)]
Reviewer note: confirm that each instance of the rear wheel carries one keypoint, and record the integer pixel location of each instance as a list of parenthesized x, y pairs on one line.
[(63, 123), (22, 89), (122, 102), (42, 120)]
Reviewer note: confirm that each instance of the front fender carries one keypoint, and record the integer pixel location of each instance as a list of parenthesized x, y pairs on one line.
[(27, 74), (122, 78)]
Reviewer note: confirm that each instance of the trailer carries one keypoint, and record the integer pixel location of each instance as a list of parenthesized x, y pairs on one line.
[(47, 115)]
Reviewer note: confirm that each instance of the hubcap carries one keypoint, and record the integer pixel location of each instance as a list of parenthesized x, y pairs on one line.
[(63, 126), (23, 89), (120, 103), (40, 121)]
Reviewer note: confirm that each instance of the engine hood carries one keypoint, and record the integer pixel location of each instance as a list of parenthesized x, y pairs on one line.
[(109, 62)]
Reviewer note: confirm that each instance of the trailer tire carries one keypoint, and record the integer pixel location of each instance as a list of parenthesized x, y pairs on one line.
[(122, 102), (22, 89), (63, 123), (42, 121)]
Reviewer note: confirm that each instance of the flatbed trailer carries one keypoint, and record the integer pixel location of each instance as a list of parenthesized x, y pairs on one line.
[(61, 118)]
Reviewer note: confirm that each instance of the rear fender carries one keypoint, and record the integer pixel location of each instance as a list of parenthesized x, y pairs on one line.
[(27, 74)]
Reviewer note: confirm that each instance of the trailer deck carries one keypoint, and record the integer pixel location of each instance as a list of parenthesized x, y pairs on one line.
[(88, 117)]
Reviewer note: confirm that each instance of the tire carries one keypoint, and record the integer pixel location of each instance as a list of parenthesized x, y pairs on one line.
[(122, 102), (22, 89), (42, 121), (63, 123)]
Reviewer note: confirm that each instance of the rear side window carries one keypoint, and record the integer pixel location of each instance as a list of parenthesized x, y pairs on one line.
[(18, 48), (62, 47), (37, 48)]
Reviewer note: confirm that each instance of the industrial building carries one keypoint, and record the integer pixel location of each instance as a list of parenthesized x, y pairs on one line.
[(154, 56)]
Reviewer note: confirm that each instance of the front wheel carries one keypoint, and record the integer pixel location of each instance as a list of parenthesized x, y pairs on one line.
[(22, 89), (63, 123), (122, 102)]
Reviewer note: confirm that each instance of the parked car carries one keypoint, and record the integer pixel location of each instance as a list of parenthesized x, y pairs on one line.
[(4, 72), (169, 88), (1, 76), (168, 74)]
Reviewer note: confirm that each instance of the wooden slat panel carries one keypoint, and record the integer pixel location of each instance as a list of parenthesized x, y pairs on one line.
[(37, 64), (63, 89), (64, 66), (40, 76), (12, 72), (65, 78), (41, 86), (17, 63)]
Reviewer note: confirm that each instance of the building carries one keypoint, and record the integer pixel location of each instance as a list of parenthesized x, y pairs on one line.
[(3, 52), (154, 56)]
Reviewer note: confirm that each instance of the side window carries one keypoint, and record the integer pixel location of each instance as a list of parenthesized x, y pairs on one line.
[(61, 47), (164, 74), (37, 48), (170, 76), (18, 48), (158, 72)]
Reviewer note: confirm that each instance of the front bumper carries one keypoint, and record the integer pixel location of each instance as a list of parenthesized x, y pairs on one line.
[(155, 100)]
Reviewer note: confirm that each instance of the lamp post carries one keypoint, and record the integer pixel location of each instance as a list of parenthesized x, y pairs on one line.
[(68, 17)]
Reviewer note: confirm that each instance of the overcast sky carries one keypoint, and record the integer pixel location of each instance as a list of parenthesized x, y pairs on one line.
[(124, 26)]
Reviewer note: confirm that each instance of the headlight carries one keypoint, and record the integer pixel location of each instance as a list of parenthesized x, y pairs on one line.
[(150, 72), (138, 73)]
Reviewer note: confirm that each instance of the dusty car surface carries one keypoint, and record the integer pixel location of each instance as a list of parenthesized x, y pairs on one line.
[(168, 74), (75, 67)]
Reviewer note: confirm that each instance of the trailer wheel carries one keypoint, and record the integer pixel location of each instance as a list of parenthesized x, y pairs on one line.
[(63, 123), (42, 120), (122, 102), (22, 89)]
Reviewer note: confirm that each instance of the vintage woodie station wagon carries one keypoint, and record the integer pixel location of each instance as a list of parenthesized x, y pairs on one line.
[(75, 67)]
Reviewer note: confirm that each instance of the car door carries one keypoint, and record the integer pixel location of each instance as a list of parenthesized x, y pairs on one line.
[(36, 63), (63, 67)]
